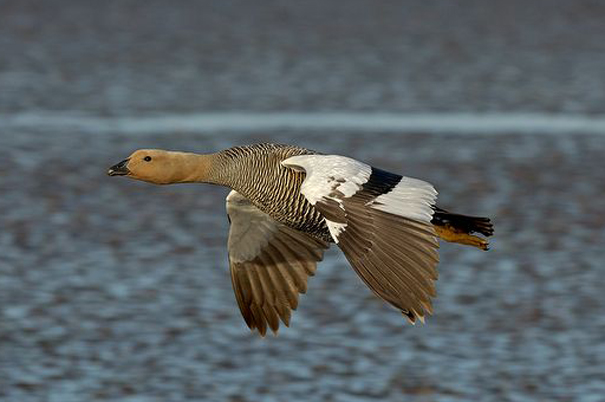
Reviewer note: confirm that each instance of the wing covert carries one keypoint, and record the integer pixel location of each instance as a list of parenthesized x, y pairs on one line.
[(382, 223), (269, 263)]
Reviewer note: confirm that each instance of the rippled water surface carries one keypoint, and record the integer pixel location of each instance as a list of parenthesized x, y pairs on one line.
[(113, 290), (117, 290)]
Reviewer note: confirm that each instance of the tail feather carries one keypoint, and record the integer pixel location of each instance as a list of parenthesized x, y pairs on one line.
[(460, 228)]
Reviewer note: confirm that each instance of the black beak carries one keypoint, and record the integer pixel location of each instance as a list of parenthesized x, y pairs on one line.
[(119, 169)]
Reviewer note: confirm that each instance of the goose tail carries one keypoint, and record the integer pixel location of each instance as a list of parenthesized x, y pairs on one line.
[(458, 228)]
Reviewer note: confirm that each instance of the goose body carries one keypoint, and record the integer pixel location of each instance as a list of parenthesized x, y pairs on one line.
[(288, 204)]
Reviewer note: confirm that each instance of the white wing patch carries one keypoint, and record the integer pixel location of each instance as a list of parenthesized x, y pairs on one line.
[(335, 229), (327, 173), (410, 198), (382, 223), (336, 178)]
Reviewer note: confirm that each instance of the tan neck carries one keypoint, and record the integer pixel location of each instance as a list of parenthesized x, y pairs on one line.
[(195, 168)]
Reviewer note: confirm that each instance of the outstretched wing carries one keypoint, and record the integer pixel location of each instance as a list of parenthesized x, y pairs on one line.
[(269, 262), (382, 223)]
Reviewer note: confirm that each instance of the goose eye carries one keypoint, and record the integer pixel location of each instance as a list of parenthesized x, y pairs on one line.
[(147, 159)]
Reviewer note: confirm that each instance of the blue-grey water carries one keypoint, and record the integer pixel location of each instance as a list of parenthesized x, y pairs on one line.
[(118, 290), (114, 290)]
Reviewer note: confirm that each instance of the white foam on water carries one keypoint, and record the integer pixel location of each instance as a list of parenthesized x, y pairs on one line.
[(350, 121)]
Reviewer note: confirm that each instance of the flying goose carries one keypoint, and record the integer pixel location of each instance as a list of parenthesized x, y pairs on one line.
[(288, 204)]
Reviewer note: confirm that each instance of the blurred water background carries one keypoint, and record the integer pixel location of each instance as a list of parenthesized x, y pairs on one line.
[(112, 290)]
